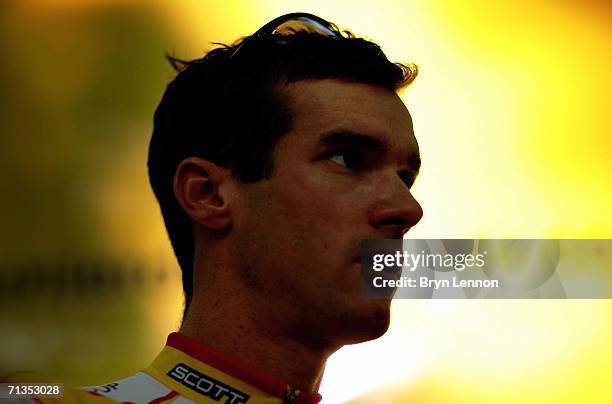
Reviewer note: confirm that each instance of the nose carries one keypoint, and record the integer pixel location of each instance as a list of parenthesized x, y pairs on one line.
[(397, 209)]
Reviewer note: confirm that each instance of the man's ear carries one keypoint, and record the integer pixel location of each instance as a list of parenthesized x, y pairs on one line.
[(197, 185)]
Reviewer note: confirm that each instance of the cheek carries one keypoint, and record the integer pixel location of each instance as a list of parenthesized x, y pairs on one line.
[(318, 197), (270, 217), (308, 208)]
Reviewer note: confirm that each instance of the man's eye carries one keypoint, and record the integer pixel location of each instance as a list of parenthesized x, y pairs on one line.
[(407, 178), (350, 159)]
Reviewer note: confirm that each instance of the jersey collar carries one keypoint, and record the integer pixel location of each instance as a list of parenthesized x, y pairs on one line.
[(193, 369)]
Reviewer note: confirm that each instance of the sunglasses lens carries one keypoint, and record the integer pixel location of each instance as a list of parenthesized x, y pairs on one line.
[(303, 25), (293, 24)]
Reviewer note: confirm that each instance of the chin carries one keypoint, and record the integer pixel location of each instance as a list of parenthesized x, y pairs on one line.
[(370, 326), (350, 322)]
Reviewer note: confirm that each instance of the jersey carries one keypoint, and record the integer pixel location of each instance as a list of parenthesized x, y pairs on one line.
[(188, 372)]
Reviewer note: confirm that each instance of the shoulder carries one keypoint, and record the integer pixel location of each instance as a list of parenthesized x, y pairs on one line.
[(69, 393), (138, 388)]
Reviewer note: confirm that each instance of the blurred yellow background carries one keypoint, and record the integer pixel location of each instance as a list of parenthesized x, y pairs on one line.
[(512, 112)]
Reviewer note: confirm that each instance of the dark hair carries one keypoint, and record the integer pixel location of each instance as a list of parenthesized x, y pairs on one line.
[(230, 109)]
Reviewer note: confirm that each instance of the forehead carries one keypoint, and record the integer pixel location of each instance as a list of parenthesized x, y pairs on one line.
[(325, 106)]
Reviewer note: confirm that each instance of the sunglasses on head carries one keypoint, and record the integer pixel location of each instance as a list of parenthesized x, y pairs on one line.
[(289, 24)]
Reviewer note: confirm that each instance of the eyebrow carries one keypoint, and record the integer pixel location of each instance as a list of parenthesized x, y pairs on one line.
[(349, 138)]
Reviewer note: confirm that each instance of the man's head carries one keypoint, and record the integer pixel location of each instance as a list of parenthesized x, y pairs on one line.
[(279, 156)]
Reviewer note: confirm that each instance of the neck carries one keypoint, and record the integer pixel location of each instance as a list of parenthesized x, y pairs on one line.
[(238, 334)]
